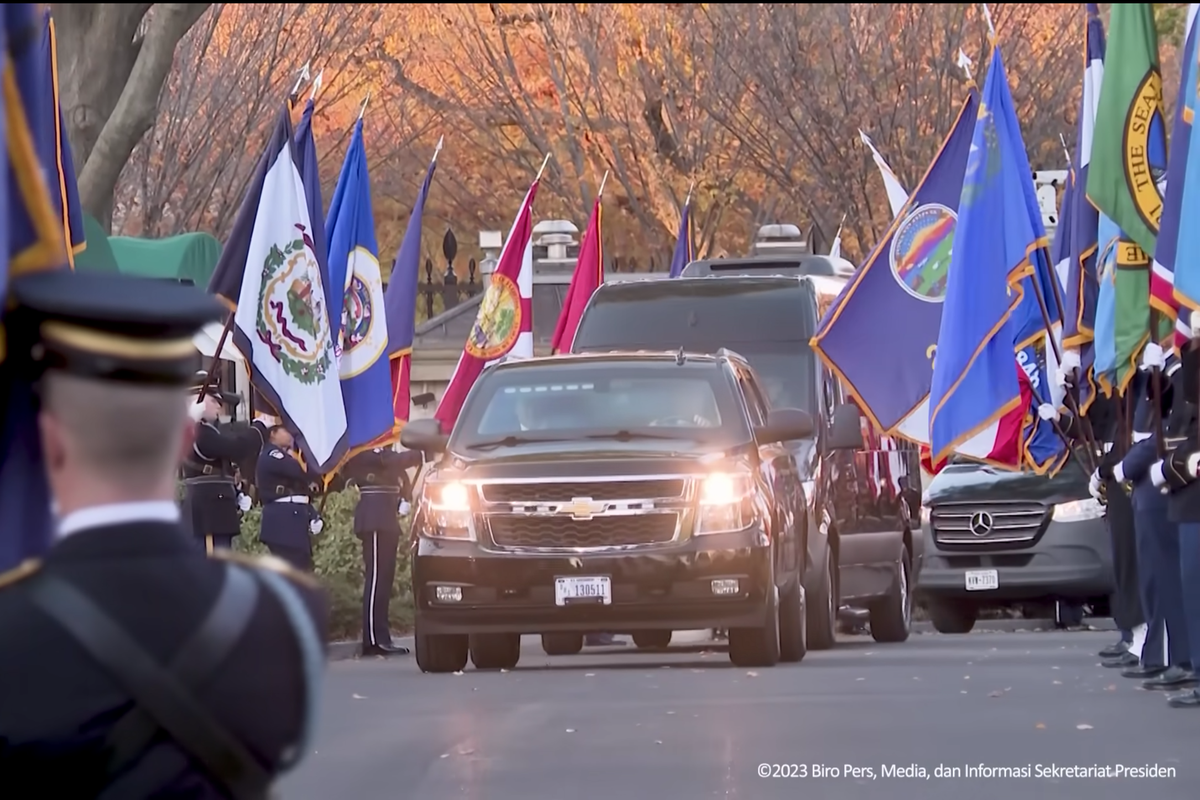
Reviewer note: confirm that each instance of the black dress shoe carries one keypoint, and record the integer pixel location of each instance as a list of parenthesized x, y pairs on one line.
[(1115, 650), (1123, 661), (384, 650), (1186, 700), (1143, 672), (1173, 678)]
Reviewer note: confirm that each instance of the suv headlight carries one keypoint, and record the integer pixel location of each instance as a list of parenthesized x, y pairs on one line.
[(1078, 510), (726, 503), (449, 511)]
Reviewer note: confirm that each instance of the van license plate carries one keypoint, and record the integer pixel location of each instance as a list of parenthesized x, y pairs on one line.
[(583, 590), (981, 580)]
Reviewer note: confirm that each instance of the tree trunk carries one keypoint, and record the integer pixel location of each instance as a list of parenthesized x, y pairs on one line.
[(113, 61)]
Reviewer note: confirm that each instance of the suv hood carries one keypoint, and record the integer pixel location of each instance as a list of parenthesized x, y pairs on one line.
[(960, 483), (555, 461)]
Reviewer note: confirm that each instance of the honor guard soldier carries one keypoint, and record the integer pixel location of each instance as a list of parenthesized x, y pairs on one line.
[(384, 494), (1177, 475), (135, 665), (212, 503), (286, 489)]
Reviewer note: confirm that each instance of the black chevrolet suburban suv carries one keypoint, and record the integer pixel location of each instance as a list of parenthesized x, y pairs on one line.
[(861, 532), (633, 493)]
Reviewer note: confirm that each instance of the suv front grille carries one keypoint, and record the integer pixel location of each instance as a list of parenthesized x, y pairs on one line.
[(1000, 522), (564, 532), (530, 493)]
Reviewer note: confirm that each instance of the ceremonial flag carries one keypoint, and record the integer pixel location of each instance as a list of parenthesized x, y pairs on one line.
[(310, 175), (32, 238), (363, 364), (975, 384), (504, 325), (1106, 359), (1060, 257), (1187, 251), (269, 273), (400, 305), (588, 275), (54, 149), (685, 252), (896, 194), (880, 335), (1162, 276)]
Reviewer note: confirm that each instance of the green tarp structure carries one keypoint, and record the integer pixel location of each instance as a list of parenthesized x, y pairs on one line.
[(188, 256), (98, 256)]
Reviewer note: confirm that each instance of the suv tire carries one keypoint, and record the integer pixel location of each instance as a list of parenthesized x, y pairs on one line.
[(562, 644), (822, 607), (495, 650), (757, 647), (440, 653), (949, 616), (652, 640), (891, 617), (793, 624)]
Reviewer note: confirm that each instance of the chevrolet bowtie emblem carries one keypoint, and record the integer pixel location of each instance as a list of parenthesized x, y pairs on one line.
[(584, 508)]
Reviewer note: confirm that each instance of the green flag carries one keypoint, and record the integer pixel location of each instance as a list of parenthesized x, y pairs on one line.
[(1129, 152)]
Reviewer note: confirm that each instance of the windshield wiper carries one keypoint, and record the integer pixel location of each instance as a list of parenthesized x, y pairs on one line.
[(512, 440), (628, 436)]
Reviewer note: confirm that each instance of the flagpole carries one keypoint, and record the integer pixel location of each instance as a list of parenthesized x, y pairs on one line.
[(316, 86), (213, 363), (987, 16), (964, 64), (1066, 152), (438, 149), (603, 181), (542, 168), (688, 199), (363, 110), (301, 78)]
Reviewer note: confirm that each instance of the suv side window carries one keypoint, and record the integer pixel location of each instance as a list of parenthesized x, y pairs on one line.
[(754, 399)]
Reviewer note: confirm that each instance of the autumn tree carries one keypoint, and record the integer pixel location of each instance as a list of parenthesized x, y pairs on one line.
[(113, 61)]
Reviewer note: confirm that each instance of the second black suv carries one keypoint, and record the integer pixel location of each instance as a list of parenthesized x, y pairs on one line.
[(628, 493)]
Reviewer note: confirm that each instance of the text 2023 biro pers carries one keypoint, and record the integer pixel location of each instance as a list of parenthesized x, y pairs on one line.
[(629, 493)]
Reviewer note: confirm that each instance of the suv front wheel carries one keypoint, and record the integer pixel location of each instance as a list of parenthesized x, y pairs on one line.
[(757, 647)]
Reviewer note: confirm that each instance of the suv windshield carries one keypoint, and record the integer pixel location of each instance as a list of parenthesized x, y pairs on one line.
[(600, 400)]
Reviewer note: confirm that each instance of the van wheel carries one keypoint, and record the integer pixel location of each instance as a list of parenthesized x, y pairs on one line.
[(891, 617), (793, 624), (822, 607), (756, 647), (495, 650), (949, 616), (652, 640), (444, 653), (562, 644)]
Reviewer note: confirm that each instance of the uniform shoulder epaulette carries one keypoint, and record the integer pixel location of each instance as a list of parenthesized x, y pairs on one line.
[(19, 572), (269, 563)]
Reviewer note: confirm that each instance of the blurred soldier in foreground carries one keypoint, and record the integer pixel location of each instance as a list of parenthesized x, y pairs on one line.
[(382, 479), (1176, 474), (134, 665), (212, 504), (286, 489)]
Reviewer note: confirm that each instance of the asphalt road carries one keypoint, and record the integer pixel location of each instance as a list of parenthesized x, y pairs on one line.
[(686, 724)]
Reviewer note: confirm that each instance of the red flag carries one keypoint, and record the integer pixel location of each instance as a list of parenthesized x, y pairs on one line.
[(504, 315), (588, 275)]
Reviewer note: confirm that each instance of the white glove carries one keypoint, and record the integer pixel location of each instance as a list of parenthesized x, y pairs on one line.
[(195, 411), (1094, 485), (1152, 357), (1157, 477), (1063, 378), (243, 502), (1193, 465), (1070, 362), (1048, 412), (316, 526), (1195, 324), (404, 508)]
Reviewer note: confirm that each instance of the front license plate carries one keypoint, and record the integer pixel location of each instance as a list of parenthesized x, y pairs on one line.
[(583, 590), (981, 580)]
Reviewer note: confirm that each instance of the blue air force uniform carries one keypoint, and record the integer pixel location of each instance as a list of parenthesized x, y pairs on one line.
[(211, 496), (286, 490), (134, 664), (382, 479), (1177, 474)]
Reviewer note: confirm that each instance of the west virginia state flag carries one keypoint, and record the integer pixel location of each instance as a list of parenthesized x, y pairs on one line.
[(588, 275), (269, 274), (366, 379)]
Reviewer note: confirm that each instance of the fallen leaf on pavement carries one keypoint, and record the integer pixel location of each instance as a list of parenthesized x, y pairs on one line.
[(751, 674), (1041, 726), (358, 696), (589, 674), (1058, 683), (570, 730), (995, 694), (1083, 726)]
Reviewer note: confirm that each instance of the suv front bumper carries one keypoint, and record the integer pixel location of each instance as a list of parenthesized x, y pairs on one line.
[(662, 587)]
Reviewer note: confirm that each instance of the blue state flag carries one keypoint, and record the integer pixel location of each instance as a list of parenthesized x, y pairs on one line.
[(54, 149), (1166, 259), (685, 250), (975, 380), (400, 302), (880, 334), (32, 241), (1104, 367), (268, 273), (353, 252)]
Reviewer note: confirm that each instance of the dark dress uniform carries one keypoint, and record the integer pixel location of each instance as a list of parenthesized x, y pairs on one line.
[(135, 665), (210, 500), (382, 479), (1184, 508), (286, 490)]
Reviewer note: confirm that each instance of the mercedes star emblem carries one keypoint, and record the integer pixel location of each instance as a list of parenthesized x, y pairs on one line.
[(981, 523)]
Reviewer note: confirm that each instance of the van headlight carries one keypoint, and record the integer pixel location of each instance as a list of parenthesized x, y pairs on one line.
[(926, 515), (726, 503), (1078, 510), (449, 511)]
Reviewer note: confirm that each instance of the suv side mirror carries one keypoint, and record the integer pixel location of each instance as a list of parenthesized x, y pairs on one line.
[(845, 432), (784, 425), (424, 435)]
